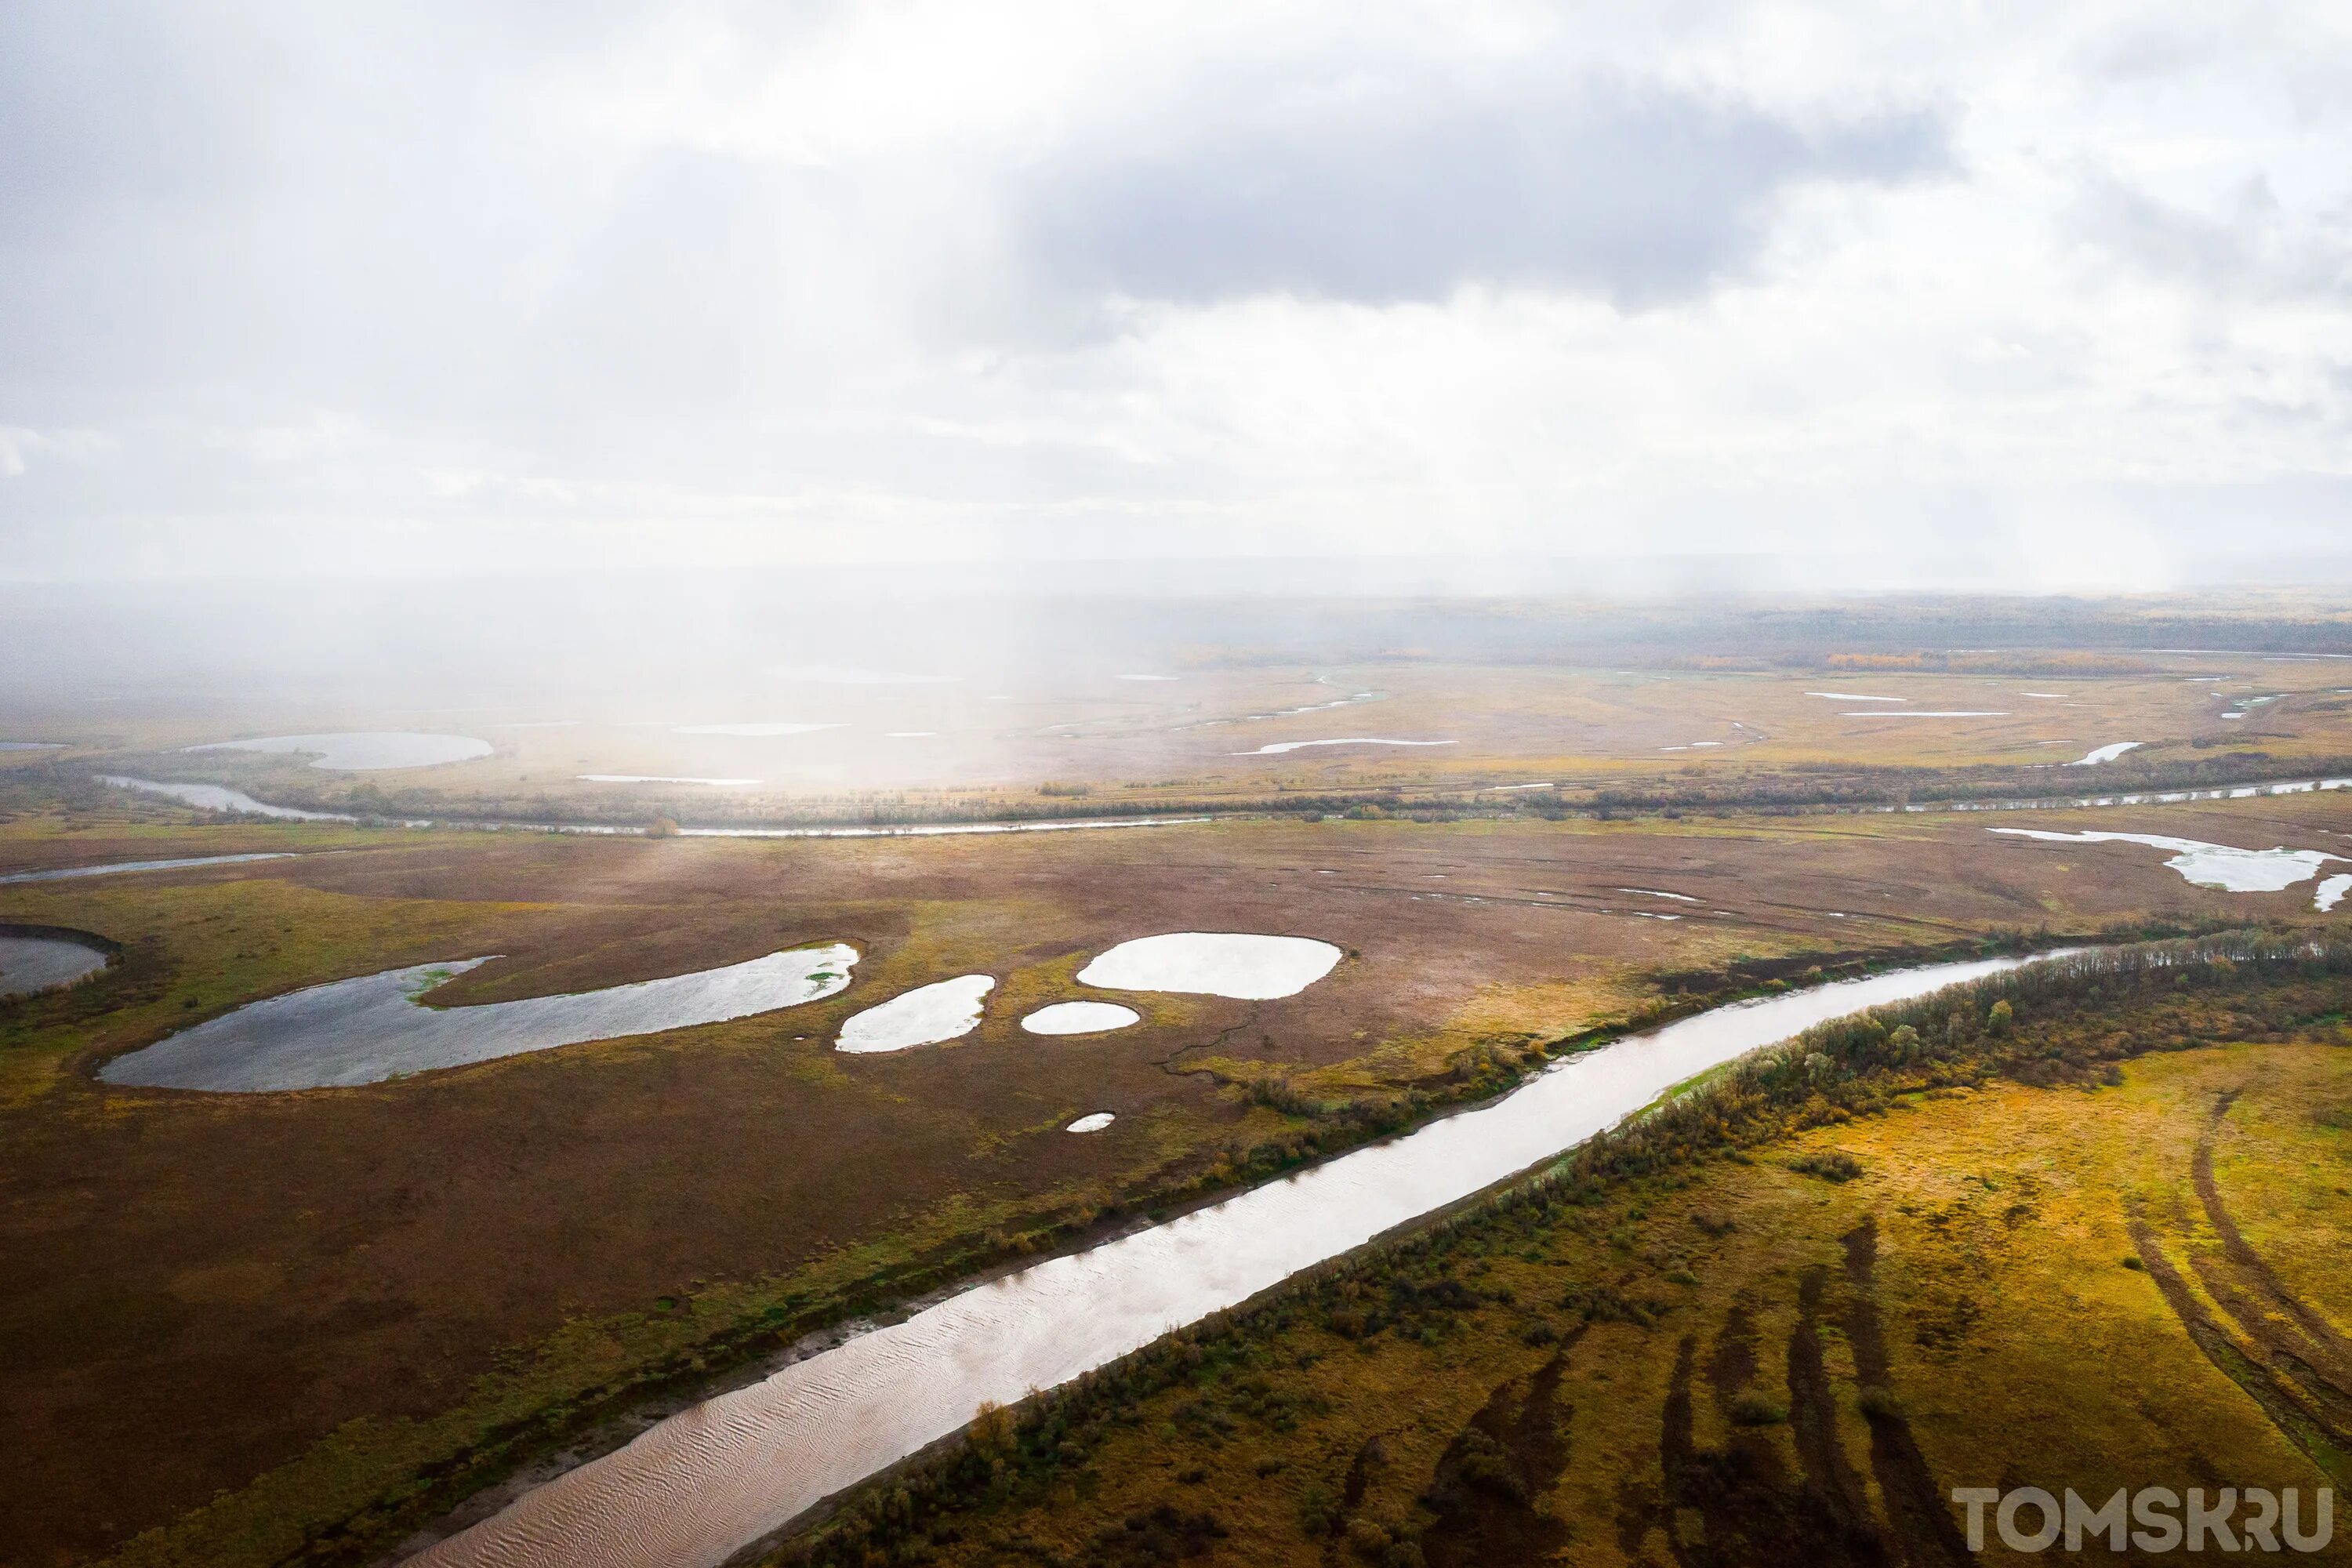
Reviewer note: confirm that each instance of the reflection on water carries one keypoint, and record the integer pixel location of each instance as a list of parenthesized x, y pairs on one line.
[(1080, 1018), (364, 751), (30, 963), (376, 1026), (926, 1015), (1214, 963), (1278, 747), (713, 1479), (219, 798), (2208, 865)]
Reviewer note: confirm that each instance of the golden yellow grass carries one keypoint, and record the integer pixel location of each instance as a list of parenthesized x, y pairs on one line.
[(2023, 1349)]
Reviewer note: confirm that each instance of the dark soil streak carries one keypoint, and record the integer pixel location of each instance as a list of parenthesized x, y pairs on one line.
[(1914, 1501), (1746, 1509), (1812, 1418), (1732, 1368), (2328, 1349), (1492, 1477), (2285, 1351), (2279, 1399)]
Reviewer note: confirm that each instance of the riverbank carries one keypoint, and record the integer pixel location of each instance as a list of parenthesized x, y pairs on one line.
[(1417, 1402), (535, 1232), (701, 1487)]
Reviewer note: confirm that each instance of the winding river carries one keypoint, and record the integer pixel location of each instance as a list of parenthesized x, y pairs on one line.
[(713, 1479)]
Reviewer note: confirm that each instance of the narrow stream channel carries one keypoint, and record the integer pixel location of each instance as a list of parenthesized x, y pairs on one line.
[(714, 1479)]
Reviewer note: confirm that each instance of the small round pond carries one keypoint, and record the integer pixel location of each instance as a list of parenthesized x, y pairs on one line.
[(1080, 1018)]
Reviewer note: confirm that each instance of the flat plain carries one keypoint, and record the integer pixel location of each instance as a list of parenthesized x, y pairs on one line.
[(371, 1302)]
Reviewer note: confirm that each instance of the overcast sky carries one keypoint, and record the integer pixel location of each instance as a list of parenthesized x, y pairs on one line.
[(2061, 294)]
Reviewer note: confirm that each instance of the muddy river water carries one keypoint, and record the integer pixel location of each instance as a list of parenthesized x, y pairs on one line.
[(714, 1479)]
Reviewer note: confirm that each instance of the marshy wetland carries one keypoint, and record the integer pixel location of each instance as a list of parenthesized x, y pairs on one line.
[(697, 1489), (728, 1094), (908, 786), (1064, 743)]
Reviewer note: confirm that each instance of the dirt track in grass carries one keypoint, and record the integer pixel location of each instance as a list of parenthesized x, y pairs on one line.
[(1745, 1364)]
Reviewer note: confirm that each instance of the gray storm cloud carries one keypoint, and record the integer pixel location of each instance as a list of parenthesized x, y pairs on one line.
[(1643, 194)]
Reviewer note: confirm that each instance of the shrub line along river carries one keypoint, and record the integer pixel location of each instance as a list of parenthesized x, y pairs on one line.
[(219, 798), (708, 1482)]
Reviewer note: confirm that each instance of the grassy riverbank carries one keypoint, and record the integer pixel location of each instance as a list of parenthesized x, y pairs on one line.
[(2069, 1229)]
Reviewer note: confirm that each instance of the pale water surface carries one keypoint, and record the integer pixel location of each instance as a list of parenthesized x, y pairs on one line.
[(1094, 1123), (2107, 754), (1080, 1018), (69, 873), (219, 798), (364, 751), (30, 963), (701, 1486), (376, 1026), (2331, 891), (1278, 747), (944, 1010), (2209, 865), (1215, 963)]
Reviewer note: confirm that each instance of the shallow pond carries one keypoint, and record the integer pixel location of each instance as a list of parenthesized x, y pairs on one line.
[(1278, 747), (2331, 892), (377, 1026), (30, 963), (926, 1015), (1080, 1018), (698, 1487), (365, 751), (1214, 964), (219, 798), (2209, 865), (1094, 1123), (2107, 754)]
